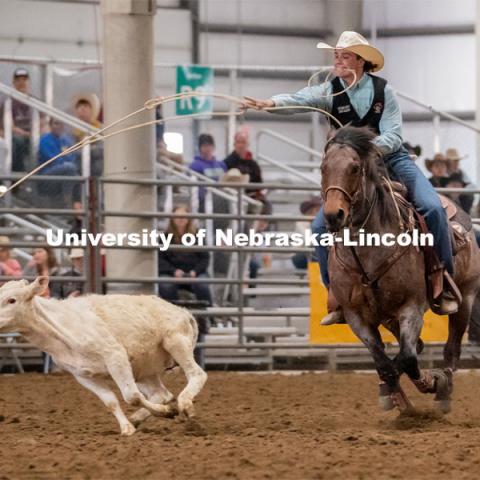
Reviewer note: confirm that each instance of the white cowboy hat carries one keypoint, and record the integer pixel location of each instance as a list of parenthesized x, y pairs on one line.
[(356, 43), (235, 175), (92, 99), (76, 253), (452, 154)]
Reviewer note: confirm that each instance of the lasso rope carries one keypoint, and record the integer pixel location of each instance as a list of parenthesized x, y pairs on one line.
[(154, 102)]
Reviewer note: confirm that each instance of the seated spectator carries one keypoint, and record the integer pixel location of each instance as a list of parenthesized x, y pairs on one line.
[(71, 288), (242, 158), (455, 180), (182, 264), (438, 168), (87, 109), (308, 207), (8, 265), (51, 145), (22, 122), (43, 263), (453, 159), (206, 164), (76, 223)]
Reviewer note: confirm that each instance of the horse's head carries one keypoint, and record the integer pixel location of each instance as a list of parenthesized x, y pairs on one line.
[(346, 168)]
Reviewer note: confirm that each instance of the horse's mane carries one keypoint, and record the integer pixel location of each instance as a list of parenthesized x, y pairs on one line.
[(361, 140)]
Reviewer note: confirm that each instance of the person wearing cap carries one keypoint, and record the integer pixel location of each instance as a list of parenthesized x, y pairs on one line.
[(22, 116), (71, 288), (369, 102), (206, 164), (8, 265), (438, 168)]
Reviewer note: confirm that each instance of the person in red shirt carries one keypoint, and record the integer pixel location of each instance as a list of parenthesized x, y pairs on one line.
[(8, 265)]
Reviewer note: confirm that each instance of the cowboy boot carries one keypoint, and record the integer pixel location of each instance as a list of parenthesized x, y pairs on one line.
[(335, 312)]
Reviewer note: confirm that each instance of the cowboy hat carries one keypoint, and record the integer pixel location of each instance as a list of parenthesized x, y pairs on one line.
[(4, 241), (452, 154), (235, 175), (90, 98), (76, 253), (438, 158), (356, 43)]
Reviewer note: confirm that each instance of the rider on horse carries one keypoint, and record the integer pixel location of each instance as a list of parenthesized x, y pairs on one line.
[(370, 102)]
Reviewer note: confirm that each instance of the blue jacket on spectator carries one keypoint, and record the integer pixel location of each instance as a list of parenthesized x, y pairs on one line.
[(52, 145), (213, 169)]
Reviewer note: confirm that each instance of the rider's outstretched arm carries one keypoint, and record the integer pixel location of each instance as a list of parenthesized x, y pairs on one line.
[(317, 96)]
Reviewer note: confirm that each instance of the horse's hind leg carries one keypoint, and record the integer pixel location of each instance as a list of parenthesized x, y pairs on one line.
[(457, 325)]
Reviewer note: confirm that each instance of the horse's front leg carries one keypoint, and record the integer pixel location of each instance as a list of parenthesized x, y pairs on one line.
[(391, 394), (427, 381)]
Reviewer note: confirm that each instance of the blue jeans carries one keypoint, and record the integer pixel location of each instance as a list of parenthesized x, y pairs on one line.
[(423, 197), (169, 291)]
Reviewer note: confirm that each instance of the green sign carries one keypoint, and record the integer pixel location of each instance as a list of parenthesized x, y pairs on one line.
[(194, 79)]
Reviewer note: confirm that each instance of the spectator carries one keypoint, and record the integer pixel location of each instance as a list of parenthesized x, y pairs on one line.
[(51, 145), (43, 263), (453, 159), (455, 180), (8, 266), (242, 158), (71, 288), (87, 108), (22, 116), (183, 264), (206, 164), (438, 168), (308, 207)]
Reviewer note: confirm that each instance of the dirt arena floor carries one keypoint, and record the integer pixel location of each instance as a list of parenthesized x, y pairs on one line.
[(307, 426)]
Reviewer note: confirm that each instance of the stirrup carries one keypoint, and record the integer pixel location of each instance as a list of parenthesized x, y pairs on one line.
[(446, 304)]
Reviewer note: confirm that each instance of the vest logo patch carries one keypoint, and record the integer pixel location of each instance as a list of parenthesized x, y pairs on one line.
[(378, 107), (344, 109)]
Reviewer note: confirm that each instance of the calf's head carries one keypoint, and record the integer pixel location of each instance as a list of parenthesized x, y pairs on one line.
[(14, 296)]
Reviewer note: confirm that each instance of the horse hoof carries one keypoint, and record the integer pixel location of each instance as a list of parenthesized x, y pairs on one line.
[(386, 403), (443, 406)]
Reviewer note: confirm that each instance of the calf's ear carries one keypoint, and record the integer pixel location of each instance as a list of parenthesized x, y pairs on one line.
[(38, 286)]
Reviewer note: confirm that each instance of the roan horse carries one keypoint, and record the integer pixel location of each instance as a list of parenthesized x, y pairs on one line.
[(380, 285)]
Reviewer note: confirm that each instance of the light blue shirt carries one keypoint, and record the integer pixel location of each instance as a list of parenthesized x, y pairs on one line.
[(361, 98)]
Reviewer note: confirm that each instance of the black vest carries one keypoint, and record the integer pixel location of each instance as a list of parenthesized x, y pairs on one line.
[(343, 110)]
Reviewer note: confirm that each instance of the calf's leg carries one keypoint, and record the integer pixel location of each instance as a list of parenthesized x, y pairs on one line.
[(155, 391), (181, 350), (100, 388), (120, 369)]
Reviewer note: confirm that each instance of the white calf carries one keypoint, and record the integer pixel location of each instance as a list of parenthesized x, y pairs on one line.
[(130, 338)]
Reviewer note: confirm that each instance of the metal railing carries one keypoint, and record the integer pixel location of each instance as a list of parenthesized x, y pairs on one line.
[(38, 107)]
